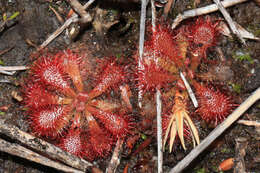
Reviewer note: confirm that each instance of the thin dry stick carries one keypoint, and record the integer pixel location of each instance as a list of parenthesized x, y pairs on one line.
[(85, 17), (153, 14), (12, 68), (6, 50), (141, 45), (56, 33), (229, 20), (115, 160), (42, 146), (17, 150), (88, 4), (203, 10), (58, 16), (74, 18), (158, 106), (8, 72), (159, 130), (217, 132), (249, 123), (190, 92)]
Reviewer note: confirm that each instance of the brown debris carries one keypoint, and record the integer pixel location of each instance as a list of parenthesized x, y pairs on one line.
[(241, 145)]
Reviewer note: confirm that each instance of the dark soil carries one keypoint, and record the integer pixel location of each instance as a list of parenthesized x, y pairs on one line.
[(36, 22)]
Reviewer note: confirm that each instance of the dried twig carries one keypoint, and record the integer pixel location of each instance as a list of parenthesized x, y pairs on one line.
[(42, 146), (153, 14), (6, 50), (85, 17), (141, 45), (60, 19), (229, 20), (159, 130), (241, 145), (190, 92), (203, 10), (10, 70), (55, 34), (13, 68), (2, 70), (115, 160), (158, 106), (73, 19), (224, 29), (217, 132), (88, 4), (17, 150), (249, 123)]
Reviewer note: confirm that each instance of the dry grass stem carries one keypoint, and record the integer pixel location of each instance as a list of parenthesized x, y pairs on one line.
[(10, 70), (203, 10), (85, 17), (6, 50), (190, 92), (73, 19), (159, 130), (224, 29), (13, 68), (60, 19), (56, 33), (229, 20), (249, 123), (141, 44)]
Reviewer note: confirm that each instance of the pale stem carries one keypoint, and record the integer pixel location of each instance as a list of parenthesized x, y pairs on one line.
[(141, 45), (203, 10), (229, 20), (190, 92), (159, 130)]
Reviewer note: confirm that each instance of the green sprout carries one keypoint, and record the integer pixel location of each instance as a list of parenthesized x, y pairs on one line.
[(236, 87), (201, 170), (143, 136), (1, 62), (241, 56), (13, 16)]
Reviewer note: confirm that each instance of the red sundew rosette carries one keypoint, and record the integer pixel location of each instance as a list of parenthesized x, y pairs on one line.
[(204, 33), (214, 106)]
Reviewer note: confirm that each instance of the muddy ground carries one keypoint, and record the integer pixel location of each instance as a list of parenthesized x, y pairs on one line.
[(36, 22)]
